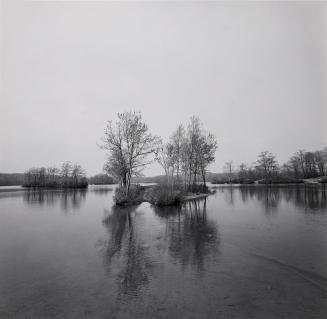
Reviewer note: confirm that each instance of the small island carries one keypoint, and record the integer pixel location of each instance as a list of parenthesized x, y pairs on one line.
[(157, 195), (69, 176), (184, 159)]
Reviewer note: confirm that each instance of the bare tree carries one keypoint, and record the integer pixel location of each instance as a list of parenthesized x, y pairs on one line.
[(53, 175), (266, 164), (177, 139), (185, 161), (321, 161), (116, 166), (194, 133), (129, 143), (65, 172), (295, 164), (189, 152), (310, 164), (77, 173), (166, 157), (229, 169), (207, 148), (243, 173), (299, 156)]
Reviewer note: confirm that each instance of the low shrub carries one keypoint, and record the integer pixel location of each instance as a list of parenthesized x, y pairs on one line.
[(219, 181), (199, 188), (281, 180), (246, 181), (121, 196), (323, 179), (163, 195), (82, 183)]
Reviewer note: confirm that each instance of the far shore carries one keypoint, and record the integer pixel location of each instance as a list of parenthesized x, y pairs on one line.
[(13, 188)]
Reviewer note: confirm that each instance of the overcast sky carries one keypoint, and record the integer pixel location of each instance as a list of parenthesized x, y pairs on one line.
[(255, 74)]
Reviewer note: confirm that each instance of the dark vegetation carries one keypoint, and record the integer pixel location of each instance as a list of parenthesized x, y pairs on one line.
[(159, 179), (101, 179), (134, 196), (302, 167), (11, 179), (69, 176), (164, 195), (22, 179)]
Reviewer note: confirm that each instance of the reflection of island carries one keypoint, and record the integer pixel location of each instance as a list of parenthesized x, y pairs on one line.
[(305, 197), (67, 198), (124, 255), (192, 236), (268, 197)]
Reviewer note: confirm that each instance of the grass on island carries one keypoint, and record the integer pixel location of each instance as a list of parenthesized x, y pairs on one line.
[(158, 195)]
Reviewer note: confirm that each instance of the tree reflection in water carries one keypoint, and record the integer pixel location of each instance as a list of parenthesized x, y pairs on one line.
[(191, 235), (124, 255), (68, 199), (104, 190), (310, 198)]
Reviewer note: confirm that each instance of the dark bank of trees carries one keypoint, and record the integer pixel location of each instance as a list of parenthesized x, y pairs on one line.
[(101, 179), (184, 158), (68, 176), (12, 179), (301, 166), (305, 164)]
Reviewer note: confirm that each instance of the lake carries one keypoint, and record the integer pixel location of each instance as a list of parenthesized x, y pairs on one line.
[(244, 252)]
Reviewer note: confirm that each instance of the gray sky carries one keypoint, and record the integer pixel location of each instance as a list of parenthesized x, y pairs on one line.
[(255, 73)]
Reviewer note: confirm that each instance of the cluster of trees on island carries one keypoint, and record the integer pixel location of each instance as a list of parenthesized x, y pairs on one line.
[(187, 154), (301, 166), (68, 176), (184, 158)]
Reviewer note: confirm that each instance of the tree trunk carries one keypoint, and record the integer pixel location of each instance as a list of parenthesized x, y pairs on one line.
[(204, 177)]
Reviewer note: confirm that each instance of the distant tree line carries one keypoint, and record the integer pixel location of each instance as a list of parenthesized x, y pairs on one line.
[(302, 165), (101, 179), (68, 176), (305, 164), (11, 179)]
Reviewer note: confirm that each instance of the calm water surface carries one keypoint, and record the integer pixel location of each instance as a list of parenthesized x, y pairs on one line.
[(242, 253)]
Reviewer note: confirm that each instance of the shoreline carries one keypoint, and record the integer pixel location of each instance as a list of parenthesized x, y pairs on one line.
[(268, 185), (194, 197)]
